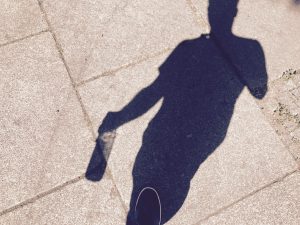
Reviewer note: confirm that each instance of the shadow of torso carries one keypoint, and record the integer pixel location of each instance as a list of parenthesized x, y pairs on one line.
[(199, 90)]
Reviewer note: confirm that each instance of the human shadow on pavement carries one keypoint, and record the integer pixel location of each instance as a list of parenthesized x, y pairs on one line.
[(199, 82)]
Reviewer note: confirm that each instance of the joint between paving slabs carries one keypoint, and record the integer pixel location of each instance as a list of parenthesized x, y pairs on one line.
[(57, 189), (222, 209), (77, 179), (24, 38), (41, 195), (113, 72), (59, 49), (142, 59)]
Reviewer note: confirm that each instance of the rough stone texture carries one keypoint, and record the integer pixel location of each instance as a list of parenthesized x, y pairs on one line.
[(277, 204), (20, 18), (273, 24), (240, 165), (43, 136), (80, 203), (281, 107), (97, 36)]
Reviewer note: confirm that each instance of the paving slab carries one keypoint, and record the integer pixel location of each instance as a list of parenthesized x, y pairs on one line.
[(99, 36), (80, 203), (20, 18), (250, 156), (43, 135), (274, 24), (277, 204)]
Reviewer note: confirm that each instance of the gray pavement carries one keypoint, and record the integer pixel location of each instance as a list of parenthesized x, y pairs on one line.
[(65, 64)]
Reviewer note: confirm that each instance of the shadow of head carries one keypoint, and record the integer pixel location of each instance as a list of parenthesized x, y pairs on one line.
[(236, 50), (221, 15)]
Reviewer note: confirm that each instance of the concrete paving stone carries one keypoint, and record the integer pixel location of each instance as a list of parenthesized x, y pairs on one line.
[(97, 36), (80, 203), (277, 204), (43, 137), (274, 24), (239, 166), (20, 18)]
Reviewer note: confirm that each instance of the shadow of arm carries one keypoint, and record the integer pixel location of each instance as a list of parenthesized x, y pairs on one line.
[(258, 82), (139, 105)]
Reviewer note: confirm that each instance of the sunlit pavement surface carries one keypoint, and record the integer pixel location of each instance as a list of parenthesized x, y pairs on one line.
[(65, 64)]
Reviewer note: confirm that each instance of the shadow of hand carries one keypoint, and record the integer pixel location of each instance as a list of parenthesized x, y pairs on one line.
[(104, 143)]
